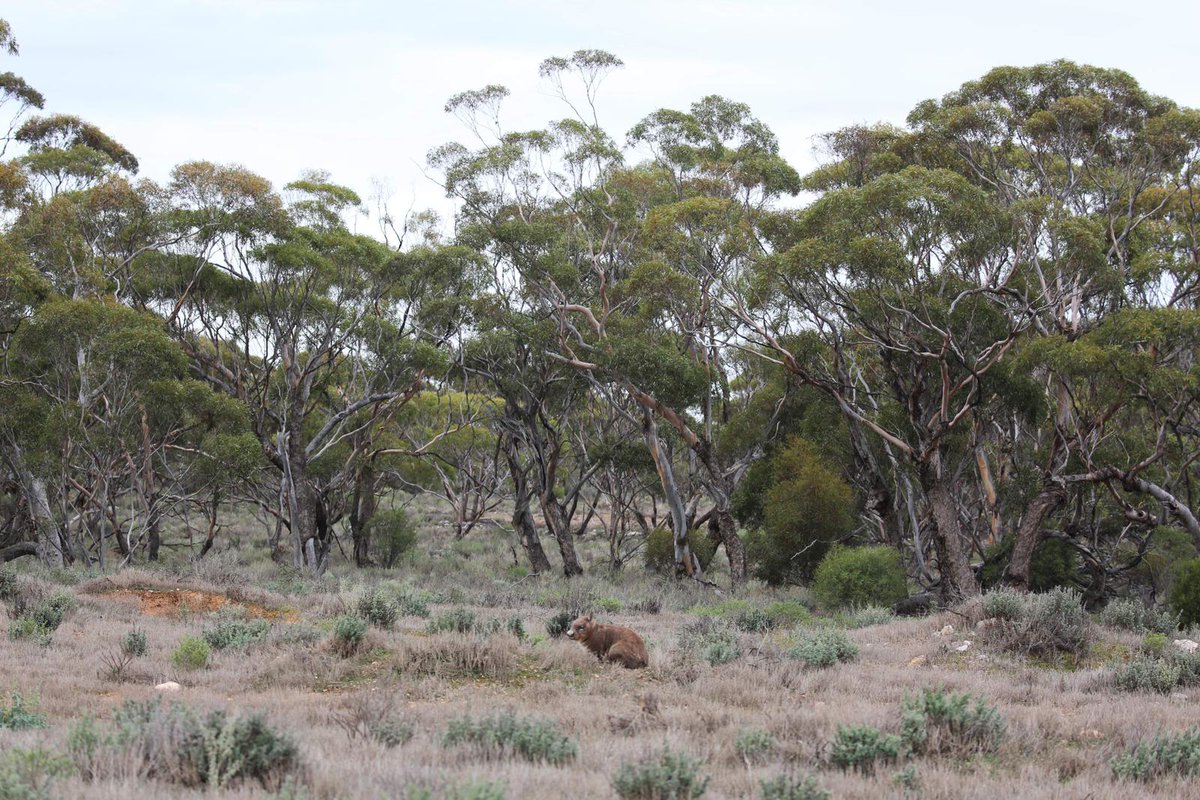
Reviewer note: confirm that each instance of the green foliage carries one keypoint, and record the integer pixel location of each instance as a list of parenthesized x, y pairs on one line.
[(792, 787), (754, 745), (378, 609), (29, 774), (349, 632), (1004, 604), (1054, 563), (1132, 615), (754, 620), (824, 648), (866, 616), (236, 634), (391, 731), (1185, 592), (711, 640), (192, 653), (516, 626), (863, 747), (134, 643), (935, 722), (392, 535), (1049, 624), (40, 619), (559, 624), (457, 620), (789, 612), (807, 509), (510, 736), (659, 550), (1163, 756), (860, 576), (19, 715), (9, 584), (1154, 643), (1147, 673), (472, 790), (610, 604), (669, 776)]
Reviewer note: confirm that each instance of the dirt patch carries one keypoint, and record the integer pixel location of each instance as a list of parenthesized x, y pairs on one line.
[(177, 602)]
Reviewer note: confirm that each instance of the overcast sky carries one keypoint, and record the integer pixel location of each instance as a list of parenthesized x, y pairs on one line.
[(356, 87)]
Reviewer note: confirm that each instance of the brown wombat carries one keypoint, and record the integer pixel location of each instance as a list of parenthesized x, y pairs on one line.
[(610, 642)]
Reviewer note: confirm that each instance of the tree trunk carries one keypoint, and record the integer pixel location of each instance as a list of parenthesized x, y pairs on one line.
[(522, 519), (686, 562), (362, 509), (958, 581), (1031, 532), (48, 534), (556, 520), (735, 548)]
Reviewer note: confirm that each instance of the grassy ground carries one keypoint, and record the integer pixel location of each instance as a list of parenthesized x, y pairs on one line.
[(1062, 726)]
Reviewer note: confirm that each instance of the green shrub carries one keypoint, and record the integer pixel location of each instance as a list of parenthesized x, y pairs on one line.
[(792, 787), (134, 643), (1047, 624), (192, 653), (410, 605), (29, 628), (712, 640), (177, 745), (659, 551), (559, 624), (669, 776), (824, 648), (1054, 564), (19, 715), (788, 612), (458, 620), (236, 634), (1162, 756), (391, 731), (754, 745), (865, 616), (935, 722), (610, 604), (1132, 615), (40, 619), (807, 508), (392, 535), (28, 774), (860, 576), (1154, 643), (9, 586), (472, 790), (509, 736), (1185, 592), (1004, 604), (516, 626), (348, 635), (1159, 673), (907, 778), (756, 620), (378, 609), (862, 747)]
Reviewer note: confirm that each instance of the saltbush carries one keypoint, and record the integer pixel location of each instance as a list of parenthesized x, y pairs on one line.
[(458, 620), (28, 774), (559, 624), (348, 635), (392, 535), (1132, 615), (378, 609), (192, 653), (863, 747), (754, 745), (860, 576), (824, 648), (507, 735), (134, 643), (1049, 624), (755, 620), (792, 787), (236, 634), (669, 776), (935, 722), (19, 715), (1164, 755)]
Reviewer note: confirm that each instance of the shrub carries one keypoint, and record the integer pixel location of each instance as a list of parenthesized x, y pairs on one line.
[(177, 745), (865, 616), (651, 604), (192, 653), (348, 635), (40, 620), (824, 648), (1132, 615), (610, 604), (807, 508), (792, 787), (392, 535), (409, 603), (756, 620), (754, 745), (391, 731), (134, 643), (670, 776), (1185, 592), (1147, 673), (1054, 563), (28, 774), (788, 612), (862, 747), (1047, 625), (1004, 604), (659, 552), (559, 624), (236, 634), (935, 722), (19, 716), (712, 640), (1164, 755), (509, 736), (458, 620), (9, 587), (516, 626), (28, 628), (860, 576), (472, 790), (376, 608)]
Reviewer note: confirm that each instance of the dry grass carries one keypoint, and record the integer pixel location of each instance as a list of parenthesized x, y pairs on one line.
[(1063, 726)]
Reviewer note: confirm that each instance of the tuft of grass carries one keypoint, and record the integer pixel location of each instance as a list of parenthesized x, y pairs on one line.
[(1162, 756), (192, 653), (792, 787), (507, 735), (824, 648), (669, 776)]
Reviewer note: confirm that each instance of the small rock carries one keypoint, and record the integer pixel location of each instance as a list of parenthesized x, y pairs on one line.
[(962, 648), (1186, 645), (919, 661), (169, 686), (948, 630)]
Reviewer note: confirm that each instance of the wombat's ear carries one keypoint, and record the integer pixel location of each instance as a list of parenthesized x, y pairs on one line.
[(588, 617)]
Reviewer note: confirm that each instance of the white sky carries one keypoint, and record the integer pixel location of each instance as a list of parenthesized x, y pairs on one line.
[(356, 87)]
